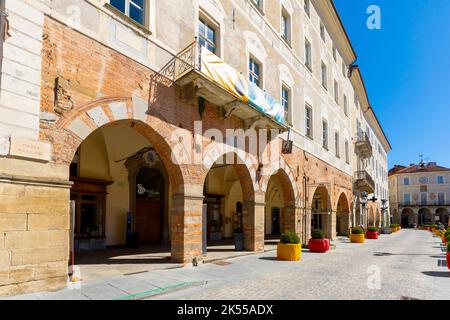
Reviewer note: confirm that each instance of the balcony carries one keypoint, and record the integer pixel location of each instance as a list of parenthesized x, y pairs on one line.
[(428, 203), (363, 147), (200, 73), (364, 182)]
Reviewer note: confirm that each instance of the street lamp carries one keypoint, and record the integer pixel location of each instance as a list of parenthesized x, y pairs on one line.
[(363, 203), (384, 208)]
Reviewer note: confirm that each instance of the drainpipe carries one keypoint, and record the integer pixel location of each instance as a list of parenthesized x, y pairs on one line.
[(305, 220)]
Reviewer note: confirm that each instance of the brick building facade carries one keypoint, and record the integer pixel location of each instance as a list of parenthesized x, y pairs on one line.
[(87, 95)]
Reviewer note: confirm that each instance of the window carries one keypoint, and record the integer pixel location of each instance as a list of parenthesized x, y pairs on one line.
[(440, 180), (347, 152), (441, 198), (322, 31), (309, 121), (344, 70), (424, 198), (258, 4), (334, 53), (324, 76), (407, 199), (308, 55), (336, 144), (307, 7), (345, 105), (285, 100), (325, 134), (207, 35), (406, 181), (254, 72), (285, 25), (336, 92), (135, 9)]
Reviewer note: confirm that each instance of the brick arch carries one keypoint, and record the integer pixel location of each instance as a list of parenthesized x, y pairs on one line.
[(245, 171), (324, 192), (343, 196), (84, 120), (287, 179)]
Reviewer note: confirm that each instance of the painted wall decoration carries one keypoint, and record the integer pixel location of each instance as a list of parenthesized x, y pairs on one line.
[(234, 82)]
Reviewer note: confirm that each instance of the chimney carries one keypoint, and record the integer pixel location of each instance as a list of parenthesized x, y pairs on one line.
[(432, 164)]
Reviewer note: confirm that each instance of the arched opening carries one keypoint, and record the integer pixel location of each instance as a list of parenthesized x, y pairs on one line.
[(443, 215), (425, 216), (228, 190), (280, 206), (408, 218), (378, 218), (395, 218), (321, 212), (120, 203), (343, 217), (371, 217)]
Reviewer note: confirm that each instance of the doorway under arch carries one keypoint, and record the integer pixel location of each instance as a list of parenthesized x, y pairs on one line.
[(321, 212), (343, 216)]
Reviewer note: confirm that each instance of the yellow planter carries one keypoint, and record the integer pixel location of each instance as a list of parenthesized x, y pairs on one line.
[(289, 252), (357, 238)]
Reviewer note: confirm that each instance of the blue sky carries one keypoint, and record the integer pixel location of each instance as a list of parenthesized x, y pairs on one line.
[(406, 68)]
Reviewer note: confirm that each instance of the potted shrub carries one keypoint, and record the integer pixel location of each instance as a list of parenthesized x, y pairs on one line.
[(448, 255), (239, 239), (318, 242), (357, 235), (394, 228), (372, 233), (289, 248)]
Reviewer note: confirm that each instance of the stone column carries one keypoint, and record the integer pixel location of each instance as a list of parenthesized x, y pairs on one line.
[(253, 220), (186, 225)]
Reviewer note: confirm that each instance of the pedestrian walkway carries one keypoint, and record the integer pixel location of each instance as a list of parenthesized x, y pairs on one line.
[(405, 265)]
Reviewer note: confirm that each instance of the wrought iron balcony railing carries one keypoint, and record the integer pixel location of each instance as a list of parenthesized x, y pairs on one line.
[(363, 147), (204, 74)]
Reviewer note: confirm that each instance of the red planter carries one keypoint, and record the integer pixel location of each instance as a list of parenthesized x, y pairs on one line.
[(448, 260), (372, 235), (319, 245)]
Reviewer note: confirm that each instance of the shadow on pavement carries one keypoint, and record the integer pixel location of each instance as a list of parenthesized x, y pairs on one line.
[(437, 274)]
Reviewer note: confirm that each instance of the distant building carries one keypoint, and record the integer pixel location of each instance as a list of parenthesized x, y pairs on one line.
[(419, 194)]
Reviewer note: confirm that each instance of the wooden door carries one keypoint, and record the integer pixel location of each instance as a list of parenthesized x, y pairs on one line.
[(148, 221)]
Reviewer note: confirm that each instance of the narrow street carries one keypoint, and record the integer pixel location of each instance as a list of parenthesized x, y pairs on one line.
[(406, 265), (411, 265)]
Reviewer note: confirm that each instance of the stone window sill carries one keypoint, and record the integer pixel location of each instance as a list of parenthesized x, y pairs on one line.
[(127, 19)]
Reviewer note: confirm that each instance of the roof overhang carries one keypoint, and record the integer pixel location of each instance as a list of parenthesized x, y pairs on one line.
[(360, 87), (331, 19)]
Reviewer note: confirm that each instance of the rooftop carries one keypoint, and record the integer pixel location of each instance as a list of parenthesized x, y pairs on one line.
[(416, 168)]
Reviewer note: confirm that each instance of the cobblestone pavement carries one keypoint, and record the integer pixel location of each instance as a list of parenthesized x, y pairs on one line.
[(410, 264)]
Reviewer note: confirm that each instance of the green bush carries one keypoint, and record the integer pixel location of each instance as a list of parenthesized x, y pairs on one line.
[(393, 226), (318, 234), (447, 232), (372, 229), (290, 238), (357, 230), (448, 247)]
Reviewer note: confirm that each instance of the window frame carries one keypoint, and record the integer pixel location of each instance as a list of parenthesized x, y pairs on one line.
[(336, 92), (309, 129), (307, 7), (215, 27), (325, 134), (322, 31), (287, 113), (286, 21), (438, 179), (324, 75), (308, 55), (251, 72), (347, 151), (337, 144), (126, 13)]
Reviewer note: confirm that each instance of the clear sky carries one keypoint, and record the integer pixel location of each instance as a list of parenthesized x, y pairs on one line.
[(406, 68)]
